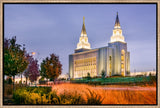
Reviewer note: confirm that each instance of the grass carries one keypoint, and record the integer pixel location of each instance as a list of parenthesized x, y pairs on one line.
[(69, 93), (110, 96), (115, 80)]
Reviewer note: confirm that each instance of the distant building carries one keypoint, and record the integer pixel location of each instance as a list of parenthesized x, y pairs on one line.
[(18, 79), (153, 73), (63, 76), (113, 59)]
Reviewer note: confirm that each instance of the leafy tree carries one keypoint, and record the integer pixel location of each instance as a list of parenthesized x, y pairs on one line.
[(15, 61), (26, 72), (103, 74), (43, 70), (32, 71), (51, 67)]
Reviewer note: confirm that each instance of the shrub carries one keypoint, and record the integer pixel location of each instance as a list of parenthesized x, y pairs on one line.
[(88, 76), (30, 95), (95, 83), (20, 96), (42, 95), (72, 79), (41, 90), (94, 98), (71, 98), (152, 78), (103, 74), (116, 75), (20, 82)]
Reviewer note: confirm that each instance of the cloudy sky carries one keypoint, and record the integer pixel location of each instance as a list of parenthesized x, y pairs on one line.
[(56, 28)]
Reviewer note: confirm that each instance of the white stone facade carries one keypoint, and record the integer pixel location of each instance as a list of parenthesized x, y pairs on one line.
[(113, 59)]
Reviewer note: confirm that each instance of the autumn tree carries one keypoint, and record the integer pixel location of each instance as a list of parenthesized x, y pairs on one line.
[(32, 71), (51, 67), (15, 61)]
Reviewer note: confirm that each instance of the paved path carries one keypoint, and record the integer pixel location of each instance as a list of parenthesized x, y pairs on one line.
[(127, 88)]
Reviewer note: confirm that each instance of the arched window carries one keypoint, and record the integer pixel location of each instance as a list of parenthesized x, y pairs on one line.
[(122, 62)]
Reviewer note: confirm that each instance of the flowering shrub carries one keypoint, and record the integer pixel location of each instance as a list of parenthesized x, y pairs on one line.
[(31, 95)]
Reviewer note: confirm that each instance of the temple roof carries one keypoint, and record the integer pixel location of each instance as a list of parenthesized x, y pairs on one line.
[(83, 32), (117, 23)]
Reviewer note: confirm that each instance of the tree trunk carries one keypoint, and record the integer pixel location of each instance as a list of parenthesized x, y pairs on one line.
[(21, 79), (26, 81), (13, 83), (47, 82), (35, 83)]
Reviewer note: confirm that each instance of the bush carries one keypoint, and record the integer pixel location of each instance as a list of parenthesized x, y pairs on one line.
[(31, 96), (66, 98), (116, 75), (95, 83), (103, 74), (20, 82), (21, 96), (41, 90), (72, 79), (94, 98), (42, 82), (152, 78)]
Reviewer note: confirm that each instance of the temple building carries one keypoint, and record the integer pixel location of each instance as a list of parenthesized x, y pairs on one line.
[(113, 59)]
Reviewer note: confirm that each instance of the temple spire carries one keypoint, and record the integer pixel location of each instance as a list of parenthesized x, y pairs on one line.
[(83, 40), (117, 23), (83, 32), (117, 32)]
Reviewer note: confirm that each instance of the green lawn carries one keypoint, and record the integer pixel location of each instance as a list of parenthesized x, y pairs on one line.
[(114, 80)]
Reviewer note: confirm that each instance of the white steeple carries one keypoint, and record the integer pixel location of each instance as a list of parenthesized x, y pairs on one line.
[(117, 32), (83, 40)]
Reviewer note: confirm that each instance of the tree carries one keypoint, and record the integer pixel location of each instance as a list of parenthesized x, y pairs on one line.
[(15, 61), (43, 70), (152, 78), (103, 74), (88, 76), (51, 67), (25, 62), (32, 71), (26, 72)]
